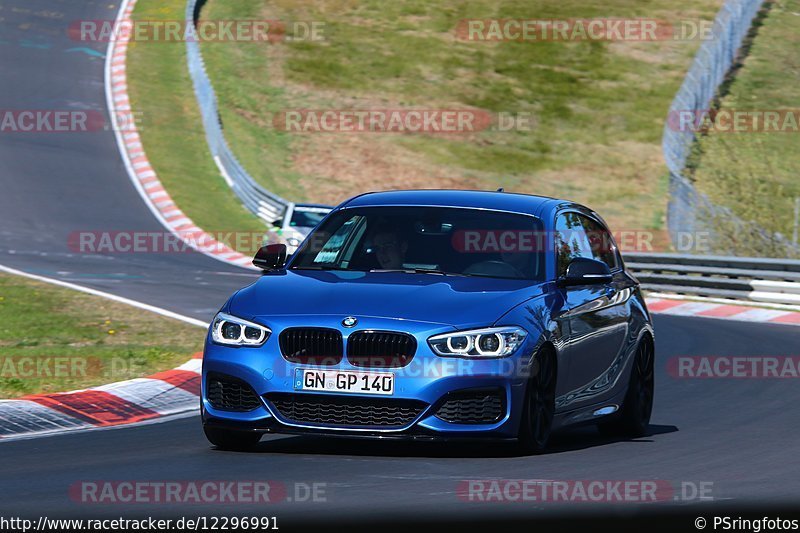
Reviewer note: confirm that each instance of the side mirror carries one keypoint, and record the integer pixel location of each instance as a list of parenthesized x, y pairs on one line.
[(582, 271), (277, 223), (270, 257)]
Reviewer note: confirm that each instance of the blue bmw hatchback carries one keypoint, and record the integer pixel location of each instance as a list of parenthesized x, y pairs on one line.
[(435, 315)]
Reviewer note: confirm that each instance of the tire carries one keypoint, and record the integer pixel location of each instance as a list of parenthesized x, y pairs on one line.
[(226, 439), (633, 419), (540, 405)]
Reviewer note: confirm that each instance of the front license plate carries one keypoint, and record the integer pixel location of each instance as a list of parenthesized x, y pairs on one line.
[(344, 381)]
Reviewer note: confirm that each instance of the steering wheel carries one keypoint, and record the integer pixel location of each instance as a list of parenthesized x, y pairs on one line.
[(494, 268)]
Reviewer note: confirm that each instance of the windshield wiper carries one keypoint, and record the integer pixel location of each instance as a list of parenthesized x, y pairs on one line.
[(417, 271), (318, 267), (385, 270)]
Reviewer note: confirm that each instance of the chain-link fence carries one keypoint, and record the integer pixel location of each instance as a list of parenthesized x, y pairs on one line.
[(261, 202), (690, 211)]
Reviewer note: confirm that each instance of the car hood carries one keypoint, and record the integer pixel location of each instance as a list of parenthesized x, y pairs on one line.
[(460, 302)]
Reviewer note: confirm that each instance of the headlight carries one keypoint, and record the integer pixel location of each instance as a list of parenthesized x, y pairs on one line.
[(233, 331), (489, 342)]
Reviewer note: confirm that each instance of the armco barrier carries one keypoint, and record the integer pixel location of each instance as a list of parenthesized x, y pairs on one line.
[(775, 281), (263, 203)]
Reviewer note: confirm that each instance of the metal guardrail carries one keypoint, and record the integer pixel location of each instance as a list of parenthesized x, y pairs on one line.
[(263, 203), (774, 281)]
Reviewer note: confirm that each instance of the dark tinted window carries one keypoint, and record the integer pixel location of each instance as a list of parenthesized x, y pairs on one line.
[(603, 247), (470, 242), (571, 240), (307, 217)]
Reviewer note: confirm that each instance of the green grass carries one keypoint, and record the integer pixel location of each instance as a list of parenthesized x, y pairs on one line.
[(54, 340), (172, 132), (756, 174), (599, 106)]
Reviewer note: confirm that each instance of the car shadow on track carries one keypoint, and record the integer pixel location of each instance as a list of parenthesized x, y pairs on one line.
[(570, 440), (582, 438)]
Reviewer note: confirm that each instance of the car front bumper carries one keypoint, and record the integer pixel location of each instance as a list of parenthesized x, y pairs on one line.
[(428, 379)]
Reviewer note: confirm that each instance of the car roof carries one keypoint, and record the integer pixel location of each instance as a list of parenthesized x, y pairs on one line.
[(500, 201), (320, 206)]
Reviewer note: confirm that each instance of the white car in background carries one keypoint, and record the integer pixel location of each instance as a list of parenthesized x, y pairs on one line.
[(296, 224)]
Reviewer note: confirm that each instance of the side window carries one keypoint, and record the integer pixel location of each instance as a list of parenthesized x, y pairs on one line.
[(333, 248), (571, 240), (603, 246)]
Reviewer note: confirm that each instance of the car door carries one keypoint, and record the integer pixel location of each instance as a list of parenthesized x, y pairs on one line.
[(598, 322)]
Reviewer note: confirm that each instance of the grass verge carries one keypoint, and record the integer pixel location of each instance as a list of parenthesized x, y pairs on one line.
[(172, 132), (53, 339), (599, 107)]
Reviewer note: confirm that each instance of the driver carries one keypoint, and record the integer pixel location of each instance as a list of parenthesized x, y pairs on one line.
[(390, 248), (520, 261)]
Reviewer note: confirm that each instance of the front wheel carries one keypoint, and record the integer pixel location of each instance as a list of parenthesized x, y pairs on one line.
[(634, 418), (540, 405), (226, 439)]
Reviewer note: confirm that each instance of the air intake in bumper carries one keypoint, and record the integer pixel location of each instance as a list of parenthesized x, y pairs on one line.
[(477, 406), (227, 393), (345, 411)]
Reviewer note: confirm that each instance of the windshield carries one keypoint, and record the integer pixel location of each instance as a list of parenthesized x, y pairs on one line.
[(307, 217), (435, 240)]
